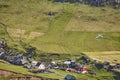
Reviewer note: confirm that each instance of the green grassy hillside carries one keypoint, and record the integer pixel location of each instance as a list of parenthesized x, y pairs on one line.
[(72, 28), (58, 74)]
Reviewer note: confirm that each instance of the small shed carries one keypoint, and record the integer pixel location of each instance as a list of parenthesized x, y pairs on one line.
[(69, 77), (67, 62), (99, 36)]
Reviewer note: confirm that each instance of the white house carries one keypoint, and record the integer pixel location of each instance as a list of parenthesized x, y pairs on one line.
[(67, 62), (41, 66)]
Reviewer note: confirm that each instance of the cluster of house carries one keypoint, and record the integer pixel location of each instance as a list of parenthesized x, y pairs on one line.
[(109, 67), (17, 58), (67, 65), (73, 67), (10, 56)]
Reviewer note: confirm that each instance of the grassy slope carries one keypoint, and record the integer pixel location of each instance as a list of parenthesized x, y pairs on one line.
[(57, 73), (71, 32), (20, 69), (111, 56), (102, 19)]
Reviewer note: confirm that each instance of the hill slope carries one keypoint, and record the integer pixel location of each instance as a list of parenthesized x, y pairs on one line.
[(71, 29)]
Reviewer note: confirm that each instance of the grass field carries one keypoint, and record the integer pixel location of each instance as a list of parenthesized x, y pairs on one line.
[(95, 19), (71, 31), (111, 56)]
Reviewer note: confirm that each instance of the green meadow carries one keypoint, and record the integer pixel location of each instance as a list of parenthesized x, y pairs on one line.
[(71, 29)]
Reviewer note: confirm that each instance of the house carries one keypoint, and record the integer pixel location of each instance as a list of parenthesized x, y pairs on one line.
[(27, 65), (67, 62), (53, 62), (106, 64), (113, 67), (33, 64), (2, 43), (72, 64), (85, 59), (117, 66), (82, 70), (69, 77), (70, 70), (23, 61), (1, 53), (48, 66), (39, 65), (19, 55)]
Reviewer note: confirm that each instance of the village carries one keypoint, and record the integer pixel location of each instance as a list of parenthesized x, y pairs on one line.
[(84, 65), (59, 39)]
